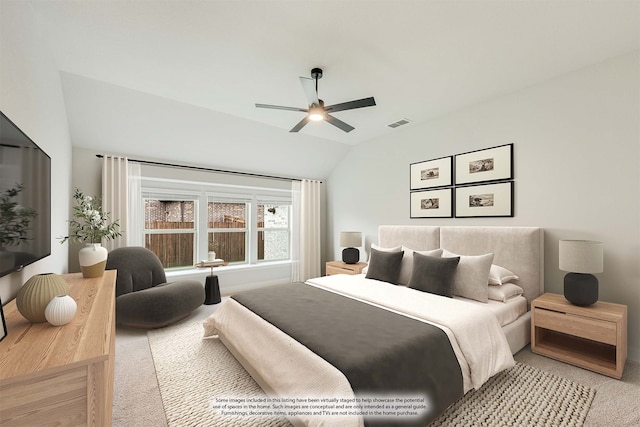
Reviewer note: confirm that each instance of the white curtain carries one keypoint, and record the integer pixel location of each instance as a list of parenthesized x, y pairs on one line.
[(305, 251), (135, 210), (121, 197)]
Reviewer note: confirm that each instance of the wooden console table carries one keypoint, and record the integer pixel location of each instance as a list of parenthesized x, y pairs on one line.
[(63, 375)]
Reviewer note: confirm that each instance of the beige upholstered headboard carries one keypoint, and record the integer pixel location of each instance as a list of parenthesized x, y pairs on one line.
[(520, 249), (414, 237)]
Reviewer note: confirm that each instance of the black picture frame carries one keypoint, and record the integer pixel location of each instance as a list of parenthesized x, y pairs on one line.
[(486, 165), (485, 200), (3, 330), (436, 203), (433, 173)]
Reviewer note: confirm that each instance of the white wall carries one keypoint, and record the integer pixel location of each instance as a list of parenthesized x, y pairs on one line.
[(31, 96), (577, 171)]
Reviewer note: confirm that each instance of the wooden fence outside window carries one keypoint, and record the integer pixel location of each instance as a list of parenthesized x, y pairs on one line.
[(177, 249)]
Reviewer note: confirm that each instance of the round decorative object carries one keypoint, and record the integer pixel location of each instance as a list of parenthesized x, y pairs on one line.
[(33, 297), (60, 310), (93, 260)]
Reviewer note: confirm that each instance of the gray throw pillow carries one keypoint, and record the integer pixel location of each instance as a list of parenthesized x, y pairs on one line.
[(433, 274), (406, 266), (384, 266)]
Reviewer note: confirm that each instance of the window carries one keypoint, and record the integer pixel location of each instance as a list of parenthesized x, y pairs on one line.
[(227, 224), (170, 230), (274, 231), (243, 225)]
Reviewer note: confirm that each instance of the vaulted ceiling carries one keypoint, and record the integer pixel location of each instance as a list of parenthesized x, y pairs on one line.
[(140, 75)]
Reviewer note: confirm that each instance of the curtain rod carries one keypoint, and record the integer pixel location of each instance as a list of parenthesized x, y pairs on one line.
[(173, 165)]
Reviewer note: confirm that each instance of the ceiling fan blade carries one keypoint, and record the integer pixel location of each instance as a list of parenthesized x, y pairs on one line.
[(300, 124), (279, 107), (365, 102), (309, 87), (339, 123)]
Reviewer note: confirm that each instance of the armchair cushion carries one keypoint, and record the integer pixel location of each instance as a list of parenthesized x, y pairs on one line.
[(159, 306), (143, 298), (138, 269)]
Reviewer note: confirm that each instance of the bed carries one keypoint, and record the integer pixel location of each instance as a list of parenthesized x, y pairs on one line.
[(482, 341)]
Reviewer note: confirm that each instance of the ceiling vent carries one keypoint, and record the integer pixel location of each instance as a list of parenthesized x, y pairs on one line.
[(399, 123)]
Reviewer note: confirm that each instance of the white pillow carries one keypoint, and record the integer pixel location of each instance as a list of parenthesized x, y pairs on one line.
[(406, 267), (504, 292), (500, 275), (472, 275), (380, 248)]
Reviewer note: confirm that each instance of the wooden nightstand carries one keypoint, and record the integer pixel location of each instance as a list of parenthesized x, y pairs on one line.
[(592, 337), (339, 267)]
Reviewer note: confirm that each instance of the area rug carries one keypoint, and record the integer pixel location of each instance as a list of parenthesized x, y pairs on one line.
[(194, 374), (522, 396)]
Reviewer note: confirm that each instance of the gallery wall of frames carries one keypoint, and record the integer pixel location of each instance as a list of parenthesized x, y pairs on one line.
[(466, 185)]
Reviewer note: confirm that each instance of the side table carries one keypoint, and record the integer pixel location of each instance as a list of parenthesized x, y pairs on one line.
[(211, 284), (592, 337), (339, 267)]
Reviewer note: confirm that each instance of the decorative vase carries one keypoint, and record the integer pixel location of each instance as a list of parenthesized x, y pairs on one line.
[(33, 297), (93, 260), (60, 310)]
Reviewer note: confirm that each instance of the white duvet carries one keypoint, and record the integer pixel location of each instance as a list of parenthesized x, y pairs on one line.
[(292, 370)]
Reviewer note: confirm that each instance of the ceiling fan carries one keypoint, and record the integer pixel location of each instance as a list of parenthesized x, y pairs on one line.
[(317, 111)]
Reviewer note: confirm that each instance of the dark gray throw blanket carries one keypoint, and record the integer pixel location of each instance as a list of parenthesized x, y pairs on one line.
[(380, 352)]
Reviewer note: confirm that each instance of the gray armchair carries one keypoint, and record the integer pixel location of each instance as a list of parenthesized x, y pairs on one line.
[(144, 299)]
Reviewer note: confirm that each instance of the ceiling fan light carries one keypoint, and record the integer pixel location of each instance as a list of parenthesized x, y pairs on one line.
[(316, 113)]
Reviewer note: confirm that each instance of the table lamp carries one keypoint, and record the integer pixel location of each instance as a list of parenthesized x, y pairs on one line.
[(581, 258), (350, 240)]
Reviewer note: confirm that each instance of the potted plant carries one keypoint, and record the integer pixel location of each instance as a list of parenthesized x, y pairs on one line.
[(91, 225)]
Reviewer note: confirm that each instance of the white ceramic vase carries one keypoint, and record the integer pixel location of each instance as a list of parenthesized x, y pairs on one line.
[(60, 310), (93, 260)]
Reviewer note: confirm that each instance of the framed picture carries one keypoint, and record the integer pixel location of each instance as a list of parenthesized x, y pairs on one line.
[(484, 200), (431, 173), (490, 164), (432, 203), (3, 329)]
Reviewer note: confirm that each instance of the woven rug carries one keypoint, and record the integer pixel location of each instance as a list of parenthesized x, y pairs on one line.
[(192, 373)]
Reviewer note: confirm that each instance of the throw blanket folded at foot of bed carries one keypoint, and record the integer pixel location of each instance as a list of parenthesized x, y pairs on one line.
[(381, 353)]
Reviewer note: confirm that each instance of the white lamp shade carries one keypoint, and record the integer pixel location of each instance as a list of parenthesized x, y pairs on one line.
[(350, 239), (581, 256)]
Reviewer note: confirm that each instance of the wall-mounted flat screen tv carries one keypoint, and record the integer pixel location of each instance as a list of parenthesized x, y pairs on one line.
[(25, 199)]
